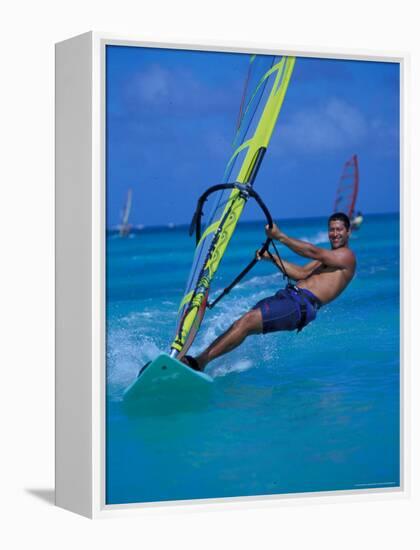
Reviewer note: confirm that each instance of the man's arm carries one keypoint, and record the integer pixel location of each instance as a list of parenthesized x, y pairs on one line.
[(300, 272), (341, 258), (294, 271)]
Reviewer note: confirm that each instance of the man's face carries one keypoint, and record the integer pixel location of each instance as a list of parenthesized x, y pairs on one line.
[(338, 234)]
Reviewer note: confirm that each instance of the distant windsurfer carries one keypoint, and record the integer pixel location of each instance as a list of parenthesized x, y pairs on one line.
[(317, 283), (356, 221)]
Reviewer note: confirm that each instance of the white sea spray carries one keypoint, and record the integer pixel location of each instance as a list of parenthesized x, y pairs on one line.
[(238, 366)]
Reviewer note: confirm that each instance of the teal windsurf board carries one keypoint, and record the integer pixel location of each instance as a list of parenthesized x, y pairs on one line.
[(164, 378)]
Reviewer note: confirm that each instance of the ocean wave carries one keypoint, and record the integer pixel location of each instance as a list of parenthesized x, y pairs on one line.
[(156, 315), (262, 280), (239, 366), (126, 354), (318, 238)]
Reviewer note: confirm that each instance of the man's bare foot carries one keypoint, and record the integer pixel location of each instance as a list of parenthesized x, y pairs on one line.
[(191, 362)]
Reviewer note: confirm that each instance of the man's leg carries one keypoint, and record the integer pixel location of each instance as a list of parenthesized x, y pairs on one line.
[(250, 323)]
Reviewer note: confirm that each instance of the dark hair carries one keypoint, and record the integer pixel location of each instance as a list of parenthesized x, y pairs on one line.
[(340, 216)]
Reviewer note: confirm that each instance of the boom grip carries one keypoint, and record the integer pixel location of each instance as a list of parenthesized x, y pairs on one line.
[(251, 193)]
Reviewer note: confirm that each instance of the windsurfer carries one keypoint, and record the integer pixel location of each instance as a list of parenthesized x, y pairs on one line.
[(317, 283), (356, 221)]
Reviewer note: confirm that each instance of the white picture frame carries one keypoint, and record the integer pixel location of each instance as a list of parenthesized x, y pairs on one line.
[(80, 274)]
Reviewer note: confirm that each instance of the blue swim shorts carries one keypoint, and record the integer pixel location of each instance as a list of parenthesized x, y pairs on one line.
[(291, 308)]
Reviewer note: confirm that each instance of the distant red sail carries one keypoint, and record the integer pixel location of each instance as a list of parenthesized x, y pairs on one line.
[(348, 187)]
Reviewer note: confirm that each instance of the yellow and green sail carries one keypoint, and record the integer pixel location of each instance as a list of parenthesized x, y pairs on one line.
[(267, 83)]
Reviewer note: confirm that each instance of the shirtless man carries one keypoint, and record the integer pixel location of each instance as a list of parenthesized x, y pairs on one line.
[(318, 282)]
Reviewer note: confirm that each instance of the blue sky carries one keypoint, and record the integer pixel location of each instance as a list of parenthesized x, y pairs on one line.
[(171, 117)]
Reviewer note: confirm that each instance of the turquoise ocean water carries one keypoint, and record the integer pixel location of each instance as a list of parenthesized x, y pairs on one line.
[(315, 411)]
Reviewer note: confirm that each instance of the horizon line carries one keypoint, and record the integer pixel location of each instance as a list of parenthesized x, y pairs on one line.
[(140, 227)]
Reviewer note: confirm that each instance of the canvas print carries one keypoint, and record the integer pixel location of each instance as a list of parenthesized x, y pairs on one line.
[(252, 275)]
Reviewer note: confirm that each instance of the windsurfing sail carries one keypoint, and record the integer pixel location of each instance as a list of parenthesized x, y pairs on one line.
[(348, 188), (265, 89), (125, 227)]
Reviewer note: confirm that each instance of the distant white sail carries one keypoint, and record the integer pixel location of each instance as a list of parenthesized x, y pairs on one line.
[(125, 227)]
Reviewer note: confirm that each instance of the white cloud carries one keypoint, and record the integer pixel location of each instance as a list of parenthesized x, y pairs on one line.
[(179, 90), (153, 86), (334, 125)]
